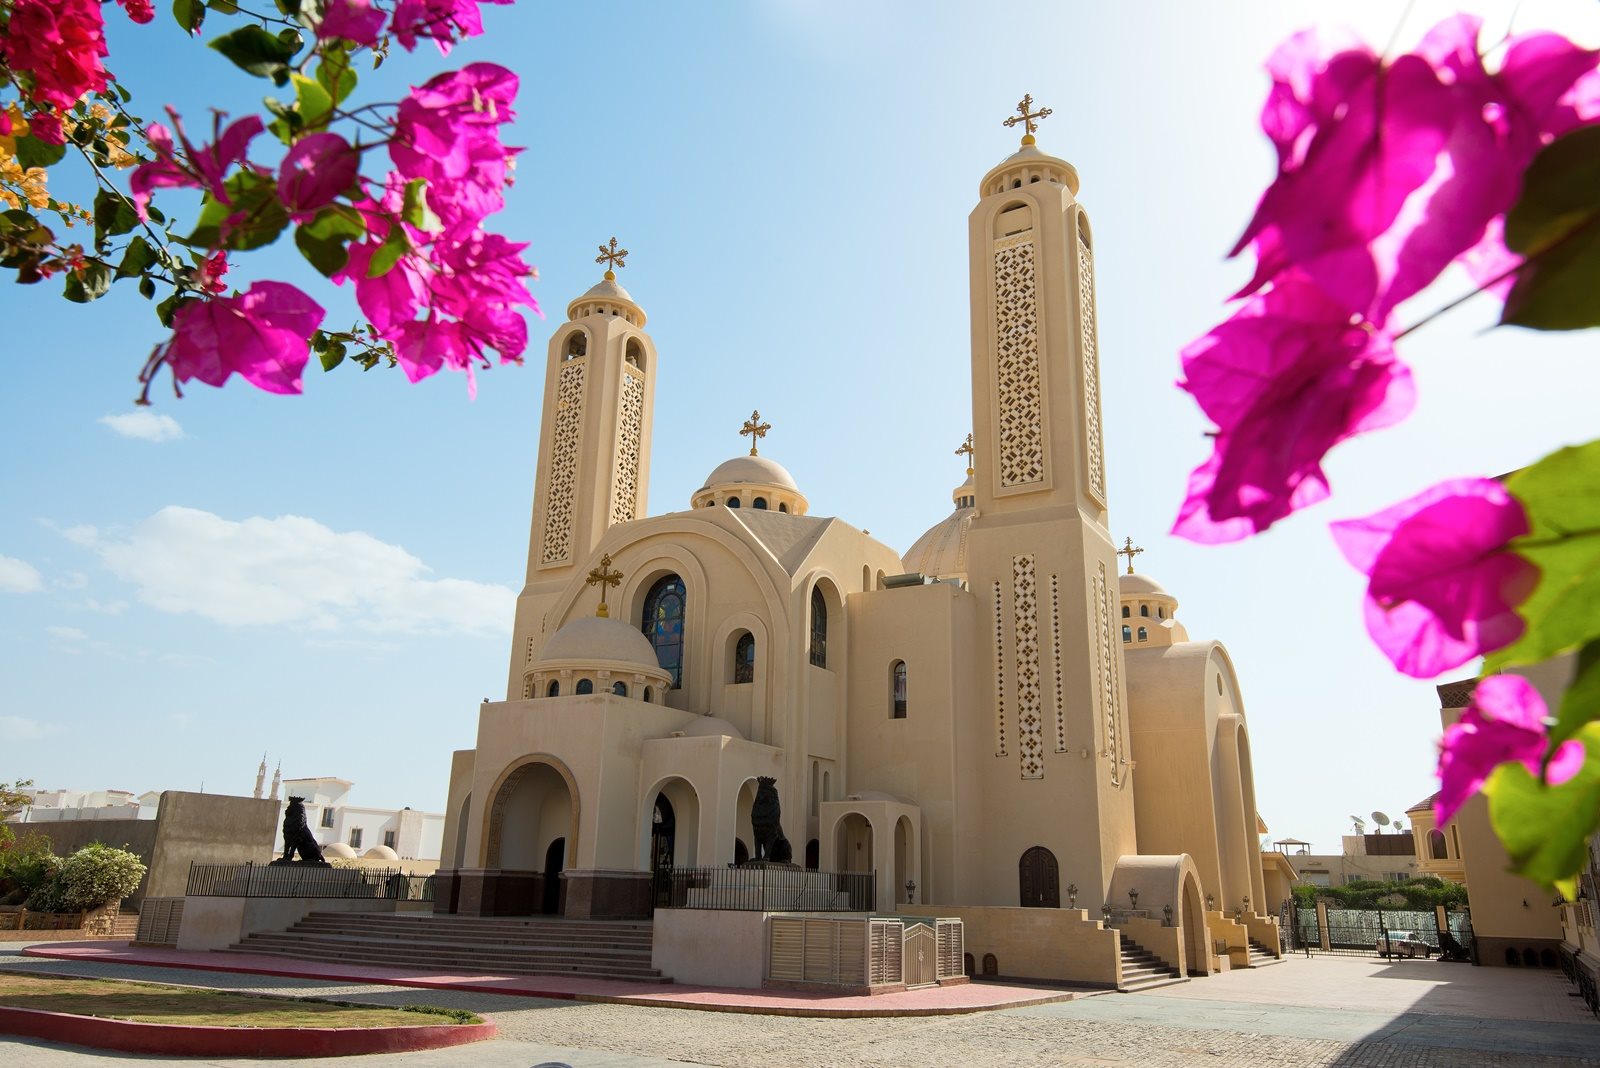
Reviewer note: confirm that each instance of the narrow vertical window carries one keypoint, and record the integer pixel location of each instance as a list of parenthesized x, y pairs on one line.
[(897, 688), (744, 658), (1144, 635), (1127, 633), (663, 624), (819, 628), (553, 690)]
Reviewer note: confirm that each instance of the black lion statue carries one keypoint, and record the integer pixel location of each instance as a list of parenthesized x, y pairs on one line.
[(765, 824), (297, 837)]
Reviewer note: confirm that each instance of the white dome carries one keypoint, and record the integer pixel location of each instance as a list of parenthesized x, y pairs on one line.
[(757, 469), (593, 638), (711, 726), (607, 289), (1140, 586), (942, 551), (380, 852), (338, 849)]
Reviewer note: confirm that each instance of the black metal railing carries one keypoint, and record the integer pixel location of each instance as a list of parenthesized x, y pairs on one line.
[(283, 880), (762, 889)]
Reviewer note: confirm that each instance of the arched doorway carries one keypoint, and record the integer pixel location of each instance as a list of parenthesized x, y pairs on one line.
[(534, 809), (853, 843), (554, 861), (663, 835), (1196, 937), (902, 860), (1039, 879)]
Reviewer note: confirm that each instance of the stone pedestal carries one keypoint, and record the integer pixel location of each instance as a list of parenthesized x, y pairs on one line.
[(446, 890), (497, 892), (605, 894)]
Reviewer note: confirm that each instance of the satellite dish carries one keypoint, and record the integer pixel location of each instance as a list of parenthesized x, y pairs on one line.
[(1398, 826), (1380, 819), (1360, 823)]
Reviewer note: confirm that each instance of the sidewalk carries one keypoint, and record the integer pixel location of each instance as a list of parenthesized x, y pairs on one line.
[(928, 1001)]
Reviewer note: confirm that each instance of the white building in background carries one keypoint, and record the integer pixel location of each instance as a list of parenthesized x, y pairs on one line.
[(51, 806), (345, 830)]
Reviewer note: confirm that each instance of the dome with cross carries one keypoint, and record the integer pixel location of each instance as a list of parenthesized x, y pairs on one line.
[(752, 481)]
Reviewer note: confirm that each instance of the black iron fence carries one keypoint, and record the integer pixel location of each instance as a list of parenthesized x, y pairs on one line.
[(1359, 932), (285, 880), (761, 889)]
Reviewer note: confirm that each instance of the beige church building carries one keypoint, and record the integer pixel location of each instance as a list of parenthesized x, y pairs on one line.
[(996, 723)]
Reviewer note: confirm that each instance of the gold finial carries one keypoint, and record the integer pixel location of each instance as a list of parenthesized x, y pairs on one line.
[(603, 576), (1130, 552), (966, 450), (1028, 117), (615, 256), (756, 429)]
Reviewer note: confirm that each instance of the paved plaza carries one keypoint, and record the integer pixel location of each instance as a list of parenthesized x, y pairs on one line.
[(1328, 1011)]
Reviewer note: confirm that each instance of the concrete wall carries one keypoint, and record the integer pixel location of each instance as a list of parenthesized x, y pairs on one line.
[(711, 947), (1036, 943), (210, 829)]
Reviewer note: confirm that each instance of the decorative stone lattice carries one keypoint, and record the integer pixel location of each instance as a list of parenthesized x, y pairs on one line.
[(1019, 390), (1055, 662), (630, 423), (1030, 717), (999, 676), (1108, 672), (531, 647), (1095, 445), (563, 464)]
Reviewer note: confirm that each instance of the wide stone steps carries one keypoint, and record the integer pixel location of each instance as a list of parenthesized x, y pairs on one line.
[(588, 949), (1142, 969), (1261, 956)]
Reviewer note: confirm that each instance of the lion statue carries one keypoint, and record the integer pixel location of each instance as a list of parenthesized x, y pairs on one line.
[(765, 824), (297, 837)]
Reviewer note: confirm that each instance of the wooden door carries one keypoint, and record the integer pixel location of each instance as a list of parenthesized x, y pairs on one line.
[(1039, 879)]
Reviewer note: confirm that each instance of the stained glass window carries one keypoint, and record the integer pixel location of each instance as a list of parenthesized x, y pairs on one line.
[(819, 628), (663, 624), (899, 676), (744, 658)]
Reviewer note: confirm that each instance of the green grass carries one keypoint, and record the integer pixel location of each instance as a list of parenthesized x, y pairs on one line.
[(151, 1003)]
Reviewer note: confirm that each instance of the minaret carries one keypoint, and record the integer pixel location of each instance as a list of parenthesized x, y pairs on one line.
[(261, 777), (594, 447), (1041, 559), (277, 779)]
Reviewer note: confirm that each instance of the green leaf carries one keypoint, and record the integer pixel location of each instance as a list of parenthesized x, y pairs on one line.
[(1561, 494), (1555, 226), (394, 246), (414, 210), (313, 101), (1581, 703), (169, 307), (337, 220), (227, 7), (147, 288), (332, 356), (262, 216), (138, 256), (289, 8), (1544, 828), (327, 255), (335, 73), (258, 52), (189, 14), (32, 152), (89, 283), (112, 215)]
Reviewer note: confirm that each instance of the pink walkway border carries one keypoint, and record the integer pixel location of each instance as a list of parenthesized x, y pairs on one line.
[(929, 1001)]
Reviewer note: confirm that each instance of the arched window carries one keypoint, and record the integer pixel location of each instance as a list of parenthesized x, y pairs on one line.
[(783, 507), (897, 689), (663, 624), (585, 686), (733, 502), (647, 694), (554, 689), (635, 353), (1436, 845), (1161, 613), (1127, 633), (1126, 611), (759, 502), (1144, 610), (577, 345), (744, 658), (819, 628), (620, 689), (1144, 635)]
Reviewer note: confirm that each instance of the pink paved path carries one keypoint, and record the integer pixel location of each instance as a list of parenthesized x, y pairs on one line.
[(929, 1001)]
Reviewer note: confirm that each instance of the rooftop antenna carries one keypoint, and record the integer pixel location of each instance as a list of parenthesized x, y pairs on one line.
[(1360, 824), (1380, 819)]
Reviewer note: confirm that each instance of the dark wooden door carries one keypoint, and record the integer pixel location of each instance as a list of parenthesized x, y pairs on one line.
[(1039, 879), (554, 861)]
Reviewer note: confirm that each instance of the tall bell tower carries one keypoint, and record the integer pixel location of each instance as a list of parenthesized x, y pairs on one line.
[(594, 448), (1041, 560)]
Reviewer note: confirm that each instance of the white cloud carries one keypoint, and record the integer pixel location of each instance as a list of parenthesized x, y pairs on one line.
[(66, 634), (291, 571), (106, 608), (22, 729), (144, 425), (19, 577)]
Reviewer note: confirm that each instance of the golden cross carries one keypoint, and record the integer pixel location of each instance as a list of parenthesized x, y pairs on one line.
[(1027, 116), (756, 429), (603, 576), (614, 256), (966, 450), (1130, 552)]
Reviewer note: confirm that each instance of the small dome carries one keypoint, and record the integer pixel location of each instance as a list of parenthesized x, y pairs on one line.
[(757, 469), (338, 849), (593, 638), (942, 551), (1137, 585), (607, 294), (380, 852), (607, 289), (1025, 164), (711, 726)]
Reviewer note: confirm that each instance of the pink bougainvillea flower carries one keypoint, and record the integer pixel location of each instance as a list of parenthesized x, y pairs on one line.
[(1504, 722), (58, 45), (263, 335), (357, 21), (441, 21), (1442, 585), (315, 172), (446, 132), (211, 272), (392, 298), (140, 11), (46, 126), (1285, 380), (203, 168)]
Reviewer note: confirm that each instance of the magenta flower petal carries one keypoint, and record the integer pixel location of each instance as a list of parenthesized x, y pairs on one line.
[(263, 335), (315, 172), (357, 21), (1504, 722)]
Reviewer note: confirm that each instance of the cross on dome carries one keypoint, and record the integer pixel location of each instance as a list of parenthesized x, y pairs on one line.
[(613, 255), (603, 577), (757, 430), (1130, 552), (1028, 117), (966, 450)]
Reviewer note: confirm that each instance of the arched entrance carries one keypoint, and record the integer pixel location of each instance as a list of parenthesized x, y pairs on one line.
[(903, 874), (535, 807), (663, 835), (1196, 937), (554, 862), (1039, 879), (672, 819), (853, 844)]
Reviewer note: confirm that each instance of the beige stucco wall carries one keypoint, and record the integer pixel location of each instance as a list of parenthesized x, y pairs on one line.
[(1059, 944), (713, 948), (210, 829)]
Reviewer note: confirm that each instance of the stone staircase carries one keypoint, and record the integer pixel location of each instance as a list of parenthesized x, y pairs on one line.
[(1261, 956), (586, 949), (126, 926), (1142, 969)]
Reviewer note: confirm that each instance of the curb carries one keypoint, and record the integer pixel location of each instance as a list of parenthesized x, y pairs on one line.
[(128, 1036)]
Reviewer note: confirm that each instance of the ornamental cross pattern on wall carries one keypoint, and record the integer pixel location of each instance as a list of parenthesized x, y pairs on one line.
[(1108, 678), (1055, 662), (630, 429), (1019, 390), (563, 463), (1030, 721), (999, 675), (1095, 445)]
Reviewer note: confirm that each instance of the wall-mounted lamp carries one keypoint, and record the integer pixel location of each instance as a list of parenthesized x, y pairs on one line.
[(1211, 902), (911, 892), (1105, 911), (1133, 898), (1166, 911), (1072, 895)]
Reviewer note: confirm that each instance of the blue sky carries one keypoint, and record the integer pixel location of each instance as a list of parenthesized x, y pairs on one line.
[(329, 578)]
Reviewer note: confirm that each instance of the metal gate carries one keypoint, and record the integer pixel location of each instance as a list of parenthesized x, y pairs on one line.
[(921, 955), (1356, 932)]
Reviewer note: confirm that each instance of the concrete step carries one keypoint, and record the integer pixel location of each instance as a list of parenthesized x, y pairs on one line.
[(459, 963), (438, 949), (429, 919), (1167, 980), (328, 930)]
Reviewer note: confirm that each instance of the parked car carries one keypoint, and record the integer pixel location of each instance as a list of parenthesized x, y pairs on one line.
[(1403, 944)]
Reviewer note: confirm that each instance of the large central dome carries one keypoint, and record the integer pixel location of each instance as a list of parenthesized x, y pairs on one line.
[(754, 469), (751, 482)]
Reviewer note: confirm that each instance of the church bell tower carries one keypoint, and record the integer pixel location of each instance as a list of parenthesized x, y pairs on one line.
[(1041, 560), (594, 447)]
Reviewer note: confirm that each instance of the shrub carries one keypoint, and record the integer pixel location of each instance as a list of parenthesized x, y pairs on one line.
[(25, 864), (93, 876)]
